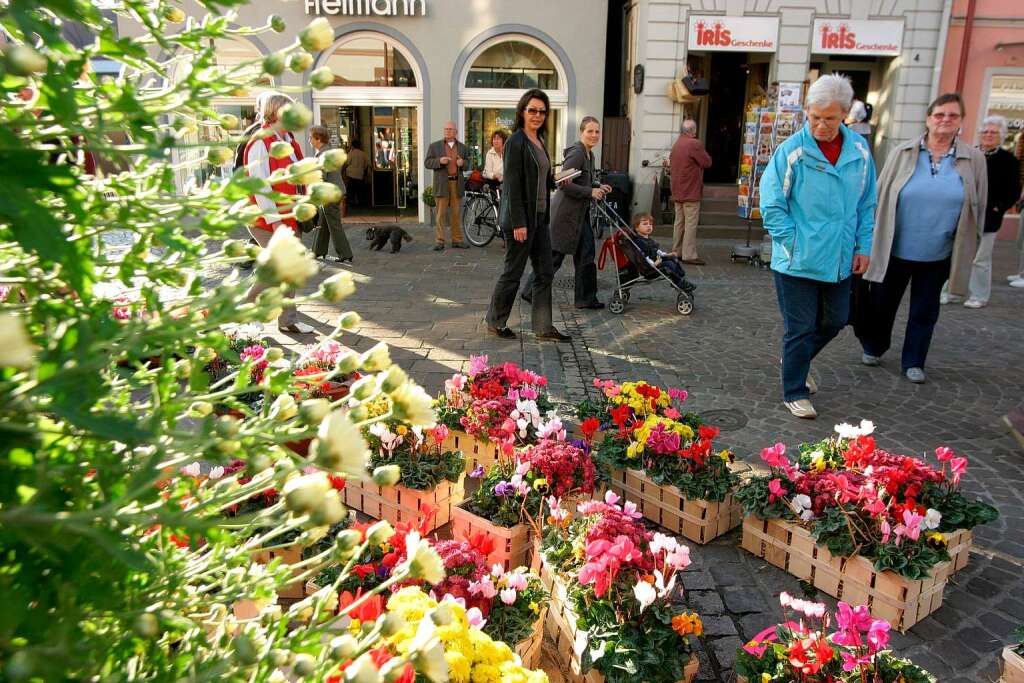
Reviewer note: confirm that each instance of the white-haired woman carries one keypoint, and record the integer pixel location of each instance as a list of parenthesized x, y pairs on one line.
[(818, 204), (1003, 192), (931, 211)]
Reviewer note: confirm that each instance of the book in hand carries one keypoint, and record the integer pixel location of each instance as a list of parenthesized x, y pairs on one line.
[(567, 174)]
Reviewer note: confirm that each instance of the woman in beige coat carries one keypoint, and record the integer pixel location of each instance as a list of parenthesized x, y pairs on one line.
[(931, 207)]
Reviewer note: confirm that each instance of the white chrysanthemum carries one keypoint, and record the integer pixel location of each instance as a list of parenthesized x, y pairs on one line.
[(424, 562), (413, 405), (15, 347), (286, 260), (340, 446)]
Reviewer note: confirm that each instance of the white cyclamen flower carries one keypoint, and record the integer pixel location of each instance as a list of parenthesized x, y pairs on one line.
[(644, 593), (340, 446), (286, 260), (932, 519), (15, 347), (801, 504)]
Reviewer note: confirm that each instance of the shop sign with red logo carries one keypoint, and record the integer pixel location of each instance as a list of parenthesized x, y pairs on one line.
[(850, 37), (733, 34)]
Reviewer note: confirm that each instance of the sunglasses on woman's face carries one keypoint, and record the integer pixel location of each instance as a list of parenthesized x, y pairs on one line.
[(533, 111)]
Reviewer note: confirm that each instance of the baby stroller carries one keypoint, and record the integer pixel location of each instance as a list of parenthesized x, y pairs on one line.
[(632, 268)]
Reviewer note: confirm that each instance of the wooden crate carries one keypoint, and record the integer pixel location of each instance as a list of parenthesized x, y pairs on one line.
[(477, 452), (902, 602), (569, 641), (1013, 667), (529, 650), (400, 504), (696, 520), (960, 542), (511, 544), (289, 555)]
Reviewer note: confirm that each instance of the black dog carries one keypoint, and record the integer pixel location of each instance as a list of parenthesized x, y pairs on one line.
[(388, 233)]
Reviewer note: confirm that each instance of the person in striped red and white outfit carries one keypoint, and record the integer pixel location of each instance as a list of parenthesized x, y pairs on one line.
[(260, 164)]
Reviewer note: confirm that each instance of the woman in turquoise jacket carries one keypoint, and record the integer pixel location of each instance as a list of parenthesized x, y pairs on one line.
[(818, 204)]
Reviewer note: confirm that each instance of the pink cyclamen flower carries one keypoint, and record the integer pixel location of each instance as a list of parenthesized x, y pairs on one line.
[(484, 588), (878, 634), (475, 617), (852, 662), (591, 507), (849, 618), (611, 498), (886, 530), (672, 414), (912, 524), (775, 490), (509, 595), (943, 453), (440, 433), (477, 364), (957, 467), (678, 395), (775, 456), (629, 509), (193, 470), (516, 580), (678, 558)]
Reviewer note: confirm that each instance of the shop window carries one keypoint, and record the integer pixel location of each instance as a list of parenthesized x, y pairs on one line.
[(370, 62), (232, 53), (482, 122), (513, 64)]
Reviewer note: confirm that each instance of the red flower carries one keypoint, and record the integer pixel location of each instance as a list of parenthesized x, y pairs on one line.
[(369, 610), (337, 483), (590, 427), (481, 542)]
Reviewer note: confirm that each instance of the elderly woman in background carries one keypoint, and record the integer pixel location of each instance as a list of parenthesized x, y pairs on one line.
[(1003, 191), (931, 211)]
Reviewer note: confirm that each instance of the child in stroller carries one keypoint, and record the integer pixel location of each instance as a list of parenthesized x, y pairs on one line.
[(640, 260), (667, 261)]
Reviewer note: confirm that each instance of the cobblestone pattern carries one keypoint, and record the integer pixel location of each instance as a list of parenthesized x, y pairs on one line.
[(429, 307)]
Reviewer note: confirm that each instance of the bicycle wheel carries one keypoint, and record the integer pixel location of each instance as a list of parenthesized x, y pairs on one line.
[(479, 221)]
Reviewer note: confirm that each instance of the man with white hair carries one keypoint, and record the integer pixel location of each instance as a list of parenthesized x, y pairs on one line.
[(446, 158), (1003, 191), (818, 203), (687, 163)]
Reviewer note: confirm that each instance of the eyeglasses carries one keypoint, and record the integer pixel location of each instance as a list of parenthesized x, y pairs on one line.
[(952, 117), (533, 111)]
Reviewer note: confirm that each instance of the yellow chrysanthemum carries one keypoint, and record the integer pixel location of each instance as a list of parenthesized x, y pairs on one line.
[(459, 667), (485, 673)]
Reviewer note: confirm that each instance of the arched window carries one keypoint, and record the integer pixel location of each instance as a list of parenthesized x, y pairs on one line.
[(369, 61), (513, 64)]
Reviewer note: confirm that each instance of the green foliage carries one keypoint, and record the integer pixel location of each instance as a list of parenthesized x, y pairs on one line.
[(958, 512), (514, 623), (117, 564), (832, 530), (506, 511), (588, 407), (712, 482), (422, 471), (756, 500)]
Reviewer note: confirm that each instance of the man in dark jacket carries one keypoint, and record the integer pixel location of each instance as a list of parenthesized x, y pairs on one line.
[(446, 158), (329, 226), (687, 163)]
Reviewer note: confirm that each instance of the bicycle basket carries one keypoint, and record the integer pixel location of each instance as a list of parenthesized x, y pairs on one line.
[(475, 181)]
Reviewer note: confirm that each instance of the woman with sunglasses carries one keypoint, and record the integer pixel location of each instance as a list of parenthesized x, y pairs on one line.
[(523, 218), (931, 209)]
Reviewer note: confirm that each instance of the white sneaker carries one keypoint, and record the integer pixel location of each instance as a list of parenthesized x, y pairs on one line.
[(868, 359), (974, 303), (1015, 276), (949, 298), (802, 409), (812, 386), (1018, 283), (915, 375)]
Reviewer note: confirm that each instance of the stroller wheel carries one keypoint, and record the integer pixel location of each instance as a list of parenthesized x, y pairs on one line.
[(684, 303), (617, 305)]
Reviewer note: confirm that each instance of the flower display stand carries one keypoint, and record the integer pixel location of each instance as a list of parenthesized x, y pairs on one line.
[(289, 555), (511, 544), (1013, 667), (569, 641), (529, 649), (477, 452), (400, 504), (699, 521), (901, 601)]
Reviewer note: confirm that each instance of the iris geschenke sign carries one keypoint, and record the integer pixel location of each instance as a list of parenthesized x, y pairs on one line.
[(379, 8)]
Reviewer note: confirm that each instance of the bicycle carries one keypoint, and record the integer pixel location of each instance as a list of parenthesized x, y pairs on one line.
[(480, 215)]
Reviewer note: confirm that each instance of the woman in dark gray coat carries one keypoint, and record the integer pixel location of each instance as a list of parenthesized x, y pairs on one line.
[(570, 212), (523, 218)]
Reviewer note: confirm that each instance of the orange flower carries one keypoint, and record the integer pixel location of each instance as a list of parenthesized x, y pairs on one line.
[(687, 624)]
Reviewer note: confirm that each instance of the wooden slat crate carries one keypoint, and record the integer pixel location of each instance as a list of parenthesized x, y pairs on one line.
[(477, 452), (1013, 667), (699, 521), (511, 544), (960, 542), (560, 626), (902, 602), (289, 555), (529, 650), (400, 504)]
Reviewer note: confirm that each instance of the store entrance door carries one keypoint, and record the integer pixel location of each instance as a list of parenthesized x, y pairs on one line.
[(387, 137), (724, 133)]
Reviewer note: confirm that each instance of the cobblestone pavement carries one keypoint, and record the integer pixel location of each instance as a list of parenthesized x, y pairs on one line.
[(429, 307)]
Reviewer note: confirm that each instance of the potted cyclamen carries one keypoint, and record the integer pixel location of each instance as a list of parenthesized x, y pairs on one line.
[(492, 409), (429, 481), (516, 609), (662, 458), (812, 647), (508, 508), (614, 600), (871, 526)]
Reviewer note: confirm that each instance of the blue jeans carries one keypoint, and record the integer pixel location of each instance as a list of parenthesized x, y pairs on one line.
[(813, 313), (925, 279)]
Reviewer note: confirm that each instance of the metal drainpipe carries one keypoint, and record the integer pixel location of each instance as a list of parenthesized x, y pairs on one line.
[(965, 49), (940, 55)]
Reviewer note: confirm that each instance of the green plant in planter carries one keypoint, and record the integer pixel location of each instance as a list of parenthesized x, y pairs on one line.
[(121, 556), (428, 196)]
